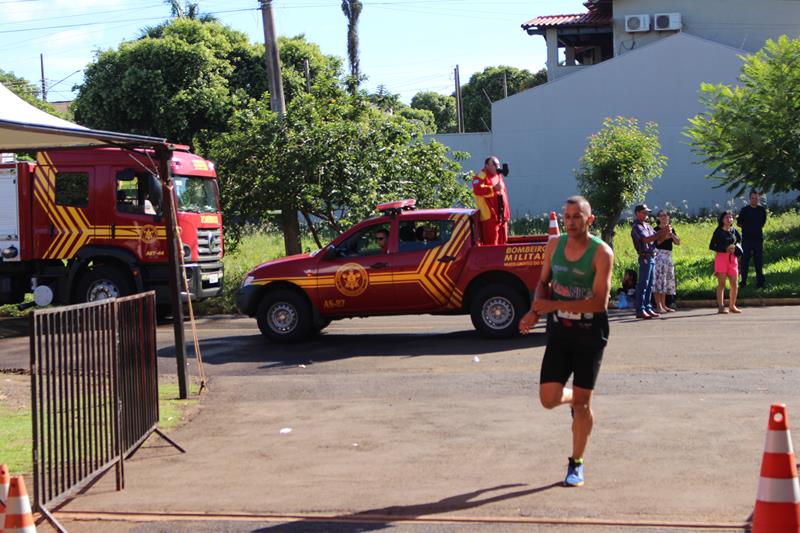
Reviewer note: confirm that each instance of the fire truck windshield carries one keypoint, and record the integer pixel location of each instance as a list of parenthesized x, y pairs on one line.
[(196, 195)]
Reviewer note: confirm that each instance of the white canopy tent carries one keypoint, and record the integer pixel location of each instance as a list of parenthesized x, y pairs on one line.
[(23, 127)]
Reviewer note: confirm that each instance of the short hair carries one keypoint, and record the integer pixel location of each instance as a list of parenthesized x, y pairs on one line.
[(753, 191), (581, 202), (384, 231), (661, 212)]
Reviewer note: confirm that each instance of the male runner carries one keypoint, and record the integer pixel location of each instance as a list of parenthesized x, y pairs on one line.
[(573, 289)]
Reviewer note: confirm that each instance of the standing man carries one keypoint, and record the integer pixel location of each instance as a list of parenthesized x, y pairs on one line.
[(491, 198), (752, 219), (644, 240), (573, 290)]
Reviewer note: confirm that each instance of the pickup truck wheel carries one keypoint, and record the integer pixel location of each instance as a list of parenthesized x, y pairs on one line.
[(284, 316), (321, 324), (496, 311), (102, 283)]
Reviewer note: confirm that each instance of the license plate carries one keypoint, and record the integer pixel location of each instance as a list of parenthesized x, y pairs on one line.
[(213, 278)]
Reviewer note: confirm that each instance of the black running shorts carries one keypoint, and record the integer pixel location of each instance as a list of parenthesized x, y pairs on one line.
[(575, 350)]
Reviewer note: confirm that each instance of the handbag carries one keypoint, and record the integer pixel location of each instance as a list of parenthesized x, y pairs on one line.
[(738, 250)]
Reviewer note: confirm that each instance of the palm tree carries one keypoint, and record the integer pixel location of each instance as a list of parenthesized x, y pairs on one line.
[(191, 12), (352, 10)]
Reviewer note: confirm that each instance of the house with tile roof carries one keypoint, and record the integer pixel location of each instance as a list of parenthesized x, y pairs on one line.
[(635, 58)]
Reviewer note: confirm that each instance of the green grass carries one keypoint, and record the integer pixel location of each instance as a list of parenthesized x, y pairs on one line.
[(694, 262), (16, 435), (15, 439)]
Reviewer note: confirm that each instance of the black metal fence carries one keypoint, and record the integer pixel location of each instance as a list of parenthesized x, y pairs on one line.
[(94, 388)]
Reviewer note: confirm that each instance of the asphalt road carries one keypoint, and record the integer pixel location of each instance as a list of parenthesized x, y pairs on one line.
[(419, 417)]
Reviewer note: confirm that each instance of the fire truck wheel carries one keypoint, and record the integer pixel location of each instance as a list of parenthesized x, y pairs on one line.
[(496, 311), (101, 283), (284, 316)]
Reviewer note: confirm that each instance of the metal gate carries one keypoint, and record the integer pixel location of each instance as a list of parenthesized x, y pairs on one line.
[(94, 388)]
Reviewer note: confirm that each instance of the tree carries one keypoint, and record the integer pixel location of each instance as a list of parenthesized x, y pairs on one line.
[(333, 160), (477, 108), (618, 168), (173, 86), (422, 118), (749, 136), (442, 107), (352, 10), (26, 90), (185, 84), (385, 100)]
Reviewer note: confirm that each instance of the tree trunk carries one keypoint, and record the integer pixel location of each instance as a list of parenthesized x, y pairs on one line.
[(312, 229), (291, 231)]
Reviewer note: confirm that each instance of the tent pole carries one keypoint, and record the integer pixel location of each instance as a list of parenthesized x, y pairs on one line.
[(164, 154)]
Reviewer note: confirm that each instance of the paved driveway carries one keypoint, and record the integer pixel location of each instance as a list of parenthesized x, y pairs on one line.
[(419, 417)]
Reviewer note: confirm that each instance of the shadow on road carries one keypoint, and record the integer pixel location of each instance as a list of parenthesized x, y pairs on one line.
[(336, 346), (376, 519)]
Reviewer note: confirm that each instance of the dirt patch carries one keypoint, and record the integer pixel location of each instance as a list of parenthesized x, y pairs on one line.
[(15, 391)]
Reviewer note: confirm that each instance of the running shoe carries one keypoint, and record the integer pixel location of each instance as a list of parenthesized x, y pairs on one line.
[(574, 474)]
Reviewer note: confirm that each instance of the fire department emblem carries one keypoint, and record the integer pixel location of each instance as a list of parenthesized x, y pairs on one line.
[(149, 234), (351, 279)]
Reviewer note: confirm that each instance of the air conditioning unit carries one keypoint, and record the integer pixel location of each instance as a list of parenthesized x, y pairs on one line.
[(667, 21), (637, 23)]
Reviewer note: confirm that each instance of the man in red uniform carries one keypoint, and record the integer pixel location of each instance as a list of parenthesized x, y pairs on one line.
[(491, 198)]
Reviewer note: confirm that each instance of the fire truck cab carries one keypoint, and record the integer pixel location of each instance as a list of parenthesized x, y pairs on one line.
[(84, 225)]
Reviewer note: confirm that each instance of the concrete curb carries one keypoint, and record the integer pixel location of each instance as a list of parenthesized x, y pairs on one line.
[(749, 302)]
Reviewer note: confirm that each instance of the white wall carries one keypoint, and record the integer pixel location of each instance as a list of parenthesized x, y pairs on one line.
[(542, 132), (479, 146), (744, 24)]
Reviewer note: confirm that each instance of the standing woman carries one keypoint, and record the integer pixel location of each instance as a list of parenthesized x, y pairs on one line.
[(726, 263), (665, 270)]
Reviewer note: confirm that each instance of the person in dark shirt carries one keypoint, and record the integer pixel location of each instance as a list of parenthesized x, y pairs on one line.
[(726, 264), (752, 219), (665, 270), (644, 241)]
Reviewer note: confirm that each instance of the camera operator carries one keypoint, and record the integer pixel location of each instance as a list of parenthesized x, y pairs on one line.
[(491, 199)]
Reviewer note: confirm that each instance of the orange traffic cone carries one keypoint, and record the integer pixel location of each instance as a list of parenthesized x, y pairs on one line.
[(778, 499), (4, 482), (552, 231), (19, 518)]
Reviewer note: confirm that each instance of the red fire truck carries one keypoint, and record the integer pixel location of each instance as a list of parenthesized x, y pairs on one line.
[(404, 261), (83, 225)]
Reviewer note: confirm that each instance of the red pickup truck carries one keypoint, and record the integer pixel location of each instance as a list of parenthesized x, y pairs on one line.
[(404, 261)]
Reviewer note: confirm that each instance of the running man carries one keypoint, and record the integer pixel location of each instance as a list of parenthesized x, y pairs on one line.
[(573, 290)]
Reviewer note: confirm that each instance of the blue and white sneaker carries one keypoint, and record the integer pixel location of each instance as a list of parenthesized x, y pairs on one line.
[(574, 473)]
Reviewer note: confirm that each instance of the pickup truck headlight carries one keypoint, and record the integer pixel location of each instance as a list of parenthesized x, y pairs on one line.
[(247, 280)]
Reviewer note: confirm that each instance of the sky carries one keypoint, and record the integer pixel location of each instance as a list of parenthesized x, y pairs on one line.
[(406, 45)]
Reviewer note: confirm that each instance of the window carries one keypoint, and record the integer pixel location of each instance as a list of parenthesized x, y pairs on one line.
[(133, 195), (373, 240), (418, 235), (72, 189)]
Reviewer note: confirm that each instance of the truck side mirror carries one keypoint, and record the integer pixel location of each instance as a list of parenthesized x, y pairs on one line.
[(331, 252), (155, 190)]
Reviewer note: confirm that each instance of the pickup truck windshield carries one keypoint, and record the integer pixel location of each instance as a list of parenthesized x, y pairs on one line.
[(195, 195)]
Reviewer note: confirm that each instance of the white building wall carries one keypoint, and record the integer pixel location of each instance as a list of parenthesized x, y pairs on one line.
[(744, 24), (542, 132), (478, 145)]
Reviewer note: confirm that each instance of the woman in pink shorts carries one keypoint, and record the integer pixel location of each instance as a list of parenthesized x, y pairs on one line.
[(726, 263)]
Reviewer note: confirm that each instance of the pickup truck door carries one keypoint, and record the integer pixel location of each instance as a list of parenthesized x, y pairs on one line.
[(356, 277), (430, 256)]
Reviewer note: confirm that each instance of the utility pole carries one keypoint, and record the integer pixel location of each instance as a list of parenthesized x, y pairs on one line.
[(291, 224), (307, 70), (41, 65), (276, 100), (459, 107), (505, 85)]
